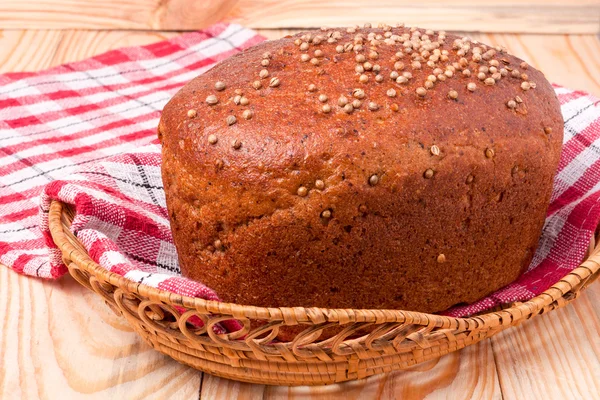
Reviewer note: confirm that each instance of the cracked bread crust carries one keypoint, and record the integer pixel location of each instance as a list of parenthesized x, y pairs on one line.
[(408, 239)]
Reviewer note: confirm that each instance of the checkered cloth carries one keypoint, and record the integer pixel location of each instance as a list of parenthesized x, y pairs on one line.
[(85, 134)]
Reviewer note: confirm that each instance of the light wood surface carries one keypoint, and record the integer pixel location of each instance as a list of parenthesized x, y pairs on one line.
[(569, 60), (533, 16), (57, 340)]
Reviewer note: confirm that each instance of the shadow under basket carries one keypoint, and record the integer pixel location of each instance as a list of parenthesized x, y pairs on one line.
[(394, 339)]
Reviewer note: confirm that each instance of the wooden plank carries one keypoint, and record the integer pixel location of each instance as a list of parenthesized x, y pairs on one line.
[(556, 356), (569, 60), (78, 45), (471, 372), (539, 16), (27, 50), (59, 340)]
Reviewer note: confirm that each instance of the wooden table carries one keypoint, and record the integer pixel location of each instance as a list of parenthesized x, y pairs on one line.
[(58, 340)]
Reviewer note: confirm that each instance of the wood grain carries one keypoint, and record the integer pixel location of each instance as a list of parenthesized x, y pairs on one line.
[(28, 50), (58, 340), (556, 356), (539, 16)]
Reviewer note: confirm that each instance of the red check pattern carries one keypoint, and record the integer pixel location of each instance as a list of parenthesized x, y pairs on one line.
[(84, 133)]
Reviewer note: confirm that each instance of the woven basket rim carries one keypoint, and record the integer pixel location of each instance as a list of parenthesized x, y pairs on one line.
[(60, 216)]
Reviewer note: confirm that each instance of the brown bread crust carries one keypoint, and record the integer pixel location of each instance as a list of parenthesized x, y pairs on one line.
[(428, 231)]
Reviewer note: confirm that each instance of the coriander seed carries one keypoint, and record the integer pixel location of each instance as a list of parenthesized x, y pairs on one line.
[(302, 191), (274, 82), (212, 100), (373, 180), (358, 93), (220, 86)]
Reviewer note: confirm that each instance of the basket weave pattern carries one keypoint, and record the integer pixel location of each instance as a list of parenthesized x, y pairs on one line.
[(368, 342)]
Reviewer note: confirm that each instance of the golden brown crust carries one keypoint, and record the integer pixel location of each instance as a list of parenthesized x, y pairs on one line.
[(419, 199)]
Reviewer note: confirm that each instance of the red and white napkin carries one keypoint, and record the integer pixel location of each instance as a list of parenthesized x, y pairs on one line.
[(85, 133)]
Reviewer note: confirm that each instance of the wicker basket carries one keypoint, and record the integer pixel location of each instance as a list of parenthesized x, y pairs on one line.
[(395, 339)]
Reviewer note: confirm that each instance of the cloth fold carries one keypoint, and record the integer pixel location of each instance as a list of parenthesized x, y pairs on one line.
[(85, 134)]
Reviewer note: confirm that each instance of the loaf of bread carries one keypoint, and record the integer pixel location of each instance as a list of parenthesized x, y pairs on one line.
[(387, 167)]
